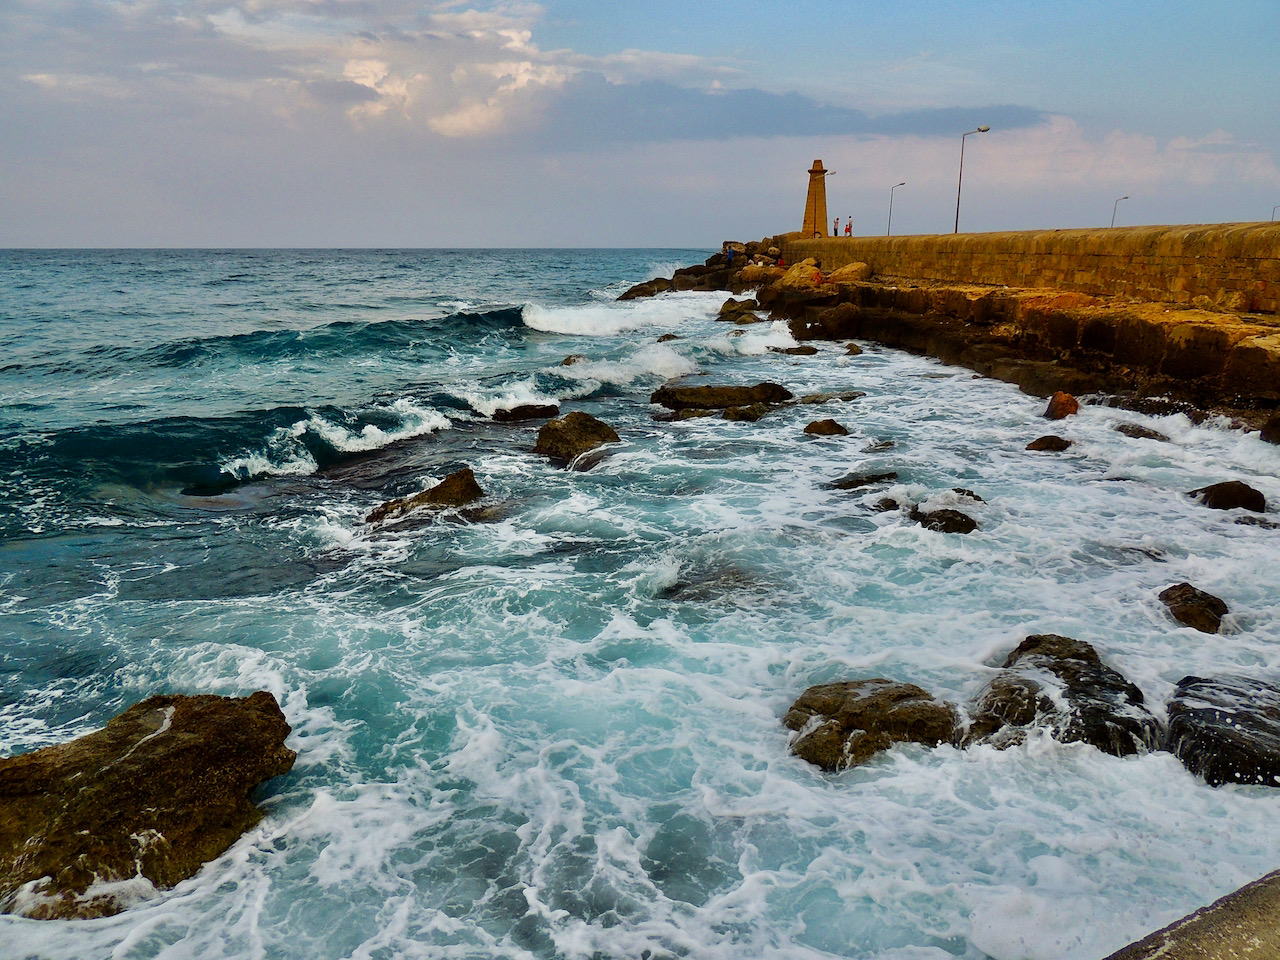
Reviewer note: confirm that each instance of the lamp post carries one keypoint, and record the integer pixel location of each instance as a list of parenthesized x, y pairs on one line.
[(1113, 209), (1273, 210), (891, 189), (960, 182)]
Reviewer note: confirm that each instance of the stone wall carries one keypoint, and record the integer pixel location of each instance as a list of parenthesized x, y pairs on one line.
[(1231, 266)]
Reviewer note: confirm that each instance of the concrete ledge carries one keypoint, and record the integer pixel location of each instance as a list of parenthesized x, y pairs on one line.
[(1227, 266), (1242, 924)]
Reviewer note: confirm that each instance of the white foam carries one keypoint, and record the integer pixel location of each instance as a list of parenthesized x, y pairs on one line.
[(668, 313)]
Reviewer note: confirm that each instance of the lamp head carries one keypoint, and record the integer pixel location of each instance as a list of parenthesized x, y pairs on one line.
[(983, 129)]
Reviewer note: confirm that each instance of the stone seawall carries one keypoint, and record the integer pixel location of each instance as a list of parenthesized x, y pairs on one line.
[(1228, 266)]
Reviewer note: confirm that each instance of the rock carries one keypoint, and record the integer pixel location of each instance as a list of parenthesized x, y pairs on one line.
[(850, 273), (1226, 729), (141, 803), (1061, 405), (753, 274), (1138, 432), (749, 413), (1050, 443), (1231, 495), (718, 397), (456, 490), (852, 350), (800, 351), (648, 289), (944, 521), (826, 428), (527, 411), (886, 504), (570, 436), (843, 395), (731, 308), (572, 359), (1062, 685), (668, 337), (854, 481), (802, 276), (1193, 607), (967, 494), (1271, 429), (843, 725), (834, 323)]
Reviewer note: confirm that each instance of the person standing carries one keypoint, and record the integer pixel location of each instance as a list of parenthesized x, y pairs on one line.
[(835, 227)]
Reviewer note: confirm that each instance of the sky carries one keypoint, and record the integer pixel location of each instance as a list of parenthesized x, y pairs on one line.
[(585, 123)]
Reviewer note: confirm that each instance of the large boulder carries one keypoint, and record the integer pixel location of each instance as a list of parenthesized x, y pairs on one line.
[(844, 724), (1061, 405), (1230, 495), (456, 490), (649, 288), (570, 436), (90, 826), (826, 428), (850, 273), (1062, 686), (679, 397), (1193, 607), (944, 520), (1227, 729)]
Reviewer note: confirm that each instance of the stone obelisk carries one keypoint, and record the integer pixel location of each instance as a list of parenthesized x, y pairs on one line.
[(815, 204)]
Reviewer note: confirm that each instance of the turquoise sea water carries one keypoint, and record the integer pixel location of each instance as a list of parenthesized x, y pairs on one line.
[(557, 733)]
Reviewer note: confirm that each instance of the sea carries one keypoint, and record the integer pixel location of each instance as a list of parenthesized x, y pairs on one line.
[(553, 728)]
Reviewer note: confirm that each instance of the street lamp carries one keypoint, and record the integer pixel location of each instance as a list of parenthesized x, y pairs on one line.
[(1273, 210), (891, 189), (982, 129), (1113, 209)]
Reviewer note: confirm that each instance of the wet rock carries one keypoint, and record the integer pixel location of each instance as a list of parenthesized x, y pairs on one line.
[(648, 289), (1139, 432), (573, 358), (1061, 685), (826, 428), (944, 520), (668, 337), (456, 490), (718, 397), (1231, 495), (1061, 405), (141, 803), (568, 437), (887, 504), (834, 323), (843, 725), (854, 481), (800, 351), (843, 395), (732, 309), (967, 494), (1049, 443), (749, 413), (527, 411), (1193, 607), (852, 350), (1271, 429), (1226, 729)]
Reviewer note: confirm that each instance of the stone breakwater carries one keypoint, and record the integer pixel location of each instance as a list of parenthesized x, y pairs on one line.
[(1204, 353), (1230, 266)]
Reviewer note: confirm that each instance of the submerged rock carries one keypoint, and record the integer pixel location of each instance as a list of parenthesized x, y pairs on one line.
[(1227, 729), (90, 826), (843, 725), (800, 351), (853, 481), (1061, 685), (456, 490), (1061, 404), (1050, 443), (1139, 432), (748, 414), (570, 436), (841, 395), (1230, 495), (944, 520), (527, 411), (826, 428), (1193, 607), (718, 397)]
